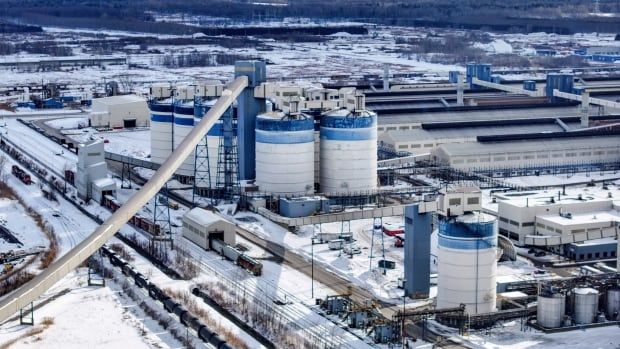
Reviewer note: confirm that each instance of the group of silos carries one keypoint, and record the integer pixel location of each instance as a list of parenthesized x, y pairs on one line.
[(285, 148), (286, 156), (551, 311), (174, 112)]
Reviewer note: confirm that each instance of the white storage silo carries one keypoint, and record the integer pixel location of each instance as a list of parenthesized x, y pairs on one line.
[(285, 153), (613, 304), (160, 105), (467, 263), (201, 107), (585, 305), (551, 309), (183, 125), (348, 160)]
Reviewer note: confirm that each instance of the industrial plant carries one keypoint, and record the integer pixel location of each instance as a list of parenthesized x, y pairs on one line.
[(467, 204)]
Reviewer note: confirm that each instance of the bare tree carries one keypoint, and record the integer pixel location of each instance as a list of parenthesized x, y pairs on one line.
[(3, 172)]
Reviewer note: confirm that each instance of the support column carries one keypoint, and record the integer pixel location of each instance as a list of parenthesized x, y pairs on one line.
[(417, 252), (248, 107)]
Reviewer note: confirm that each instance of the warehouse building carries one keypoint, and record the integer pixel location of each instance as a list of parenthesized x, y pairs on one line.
[(530, 153), (200, 226), (559, 218), (422, 140), (119, 112)]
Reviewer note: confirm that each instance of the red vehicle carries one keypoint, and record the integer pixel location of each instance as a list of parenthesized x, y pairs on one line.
[(399, 242), (21, 174), (392, 230), (70, 177)]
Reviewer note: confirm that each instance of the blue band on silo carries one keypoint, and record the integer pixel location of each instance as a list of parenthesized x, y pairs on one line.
[(162, 118), (184, 121), (160, 107), (349, 122), (283, 137), (467, 244), (268, 124), (348, 134)]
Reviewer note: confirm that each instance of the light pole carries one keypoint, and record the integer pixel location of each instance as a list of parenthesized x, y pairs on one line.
[(402, 325), (312, 262)]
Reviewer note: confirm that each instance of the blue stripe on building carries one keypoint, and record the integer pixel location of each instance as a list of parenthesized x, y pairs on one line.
[(184, 121), (467, 244), (162, 118), (294, 137), (349, 122), (345, 134), (268, 124)]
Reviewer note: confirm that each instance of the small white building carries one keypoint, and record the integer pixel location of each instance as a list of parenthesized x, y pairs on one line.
[(200, 226), (119, 112), (92, 172)]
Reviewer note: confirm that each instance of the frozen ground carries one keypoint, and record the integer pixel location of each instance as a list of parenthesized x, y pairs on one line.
[(511, 336), (87, 317), (360, 269), (14, 217)]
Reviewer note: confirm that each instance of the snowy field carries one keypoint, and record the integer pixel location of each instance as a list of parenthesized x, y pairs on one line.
[(512, 335), (87, 317), (14, 217)]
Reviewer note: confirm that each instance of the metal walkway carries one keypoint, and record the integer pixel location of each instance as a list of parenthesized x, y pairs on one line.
[(131, 161)]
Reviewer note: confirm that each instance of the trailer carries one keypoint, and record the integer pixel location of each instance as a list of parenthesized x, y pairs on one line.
[(335, 244), (322, 238)]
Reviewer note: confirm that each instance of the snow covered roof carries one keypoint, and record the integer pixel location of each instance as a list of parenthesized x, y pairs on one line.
[(464, 149), (104, 183), (203, 217), (115, 100)]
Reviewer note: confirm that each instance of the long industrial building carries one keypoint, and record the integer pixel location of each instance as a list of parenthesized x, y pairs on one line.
[(530, 153)]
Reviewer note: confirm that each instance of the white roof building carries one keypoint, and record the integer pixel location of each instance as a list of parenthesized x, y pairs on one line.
[(200, 226), (119, 112)]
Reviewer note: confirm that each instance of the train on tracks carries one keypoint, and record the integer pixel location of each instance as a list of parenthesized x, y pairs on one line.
[(21, 174), (236, 256), (137, 220), (186, 318)]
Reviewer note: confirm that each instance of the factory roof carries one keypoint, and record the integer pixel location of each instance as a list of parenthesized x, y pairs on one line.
[(566, 196), (418, 134), (600, 217), (123, 99), (104, 183), (475, 148), (470, 115), (203, 217)]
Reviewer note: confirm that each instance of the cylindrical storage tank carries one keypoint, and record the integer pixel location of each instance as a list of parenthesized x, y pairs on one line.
[(183, 125), (161, 129), (201, 107), (467, 263), (613, 304), (585, 305), (285, 153), (348, 152), (551, 309)]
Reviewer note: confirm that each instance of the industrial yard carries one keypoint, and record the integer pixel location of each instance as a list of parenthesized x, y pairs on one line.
[(196, 181)]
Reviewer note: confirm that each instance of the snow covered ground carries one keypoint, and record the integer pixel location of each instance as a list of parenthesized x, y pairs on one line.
[(14, 217), (360, 269), (87, 317), (512, 335)]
